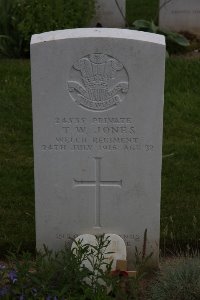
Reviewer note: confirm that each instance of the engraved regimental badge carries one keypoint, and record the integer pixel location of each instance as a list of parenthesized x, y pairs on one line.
[(99, 82)]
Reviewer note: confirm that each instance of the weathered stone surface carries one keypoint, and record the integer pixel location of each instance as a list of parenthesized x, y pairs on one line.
[(117, 249), (180, 15), (110, 13), (97, 122)]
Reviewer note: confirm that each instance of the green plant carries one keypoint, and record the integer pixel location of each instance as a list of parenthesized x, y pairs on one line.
[(11, 41), (66, 275), (143, 9), (59, 274), (99, 267), (44, 15), (178, 282), (172, 38), (19, 19)]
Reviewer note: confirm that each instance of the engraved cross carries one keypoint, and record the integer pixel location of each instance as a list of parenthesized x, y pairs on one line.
[(97, 183)]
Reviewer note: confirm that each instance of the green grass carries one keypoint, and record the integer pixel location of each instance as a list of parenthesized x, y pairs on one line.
[(181, 171), (16, 157)]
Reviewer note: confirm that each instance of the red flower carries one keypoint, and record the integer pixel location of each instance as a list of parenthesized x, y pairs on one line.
[(118, 273)]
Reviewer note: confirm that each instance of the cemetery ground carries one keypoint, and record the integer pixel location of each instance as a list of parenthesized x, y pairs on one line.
[(180, 201), (180, 217), (181, 159)]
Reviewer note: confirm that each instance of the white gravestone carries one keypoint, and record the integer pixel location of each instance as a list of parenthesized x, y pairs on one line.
[(110, 13), (97, 121), (116, 249), (180, 15)]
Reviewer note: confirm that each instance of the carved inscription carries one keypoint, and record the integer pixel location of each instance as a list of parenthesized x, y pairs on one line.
[(96, 134), (99, 82), (185, 11), (130, 239)]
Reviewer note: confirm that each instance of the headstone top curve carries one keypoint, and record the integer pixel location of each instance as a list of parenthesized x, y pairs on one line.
[(98, 33)]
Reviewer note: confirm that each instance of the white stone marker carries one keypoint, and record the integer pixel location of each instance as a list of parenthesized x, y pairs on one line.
[(110, 13), (97, 121), (180, 15), (116, 249)]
